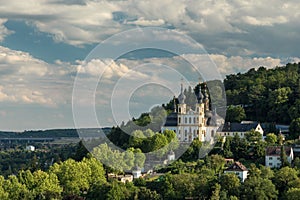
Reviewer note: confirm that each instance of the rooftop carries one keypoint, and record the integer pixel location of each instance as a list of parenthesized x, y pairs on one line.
[(237, 166)]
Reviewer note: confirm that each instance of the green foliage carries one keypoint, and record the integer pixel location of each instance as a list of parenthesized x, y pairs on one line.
[(295, 128), (215, 162), (266, 94), (253, 136), (216, 193), (284, 178), (293, 193), (192, 152), (235, 114), (120, 161), (283, 157), (271, 139), (256, 187), (231, 183)]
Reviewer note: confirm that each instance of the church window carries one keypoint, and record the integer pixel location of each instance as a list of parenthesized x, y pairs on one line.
[(194, 120), (179, 110), (190, 120), (185, 120), (179, 120)]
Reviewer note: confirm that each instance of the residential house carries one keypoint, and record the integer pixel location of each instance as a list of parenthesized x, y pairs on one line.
[(273, 156), (239, 169)]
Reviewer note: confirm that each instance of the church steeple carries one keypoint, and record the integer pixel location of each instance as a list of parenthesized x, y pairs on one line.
[(174, 105), (181, 97), (206, 98), (199, 95)]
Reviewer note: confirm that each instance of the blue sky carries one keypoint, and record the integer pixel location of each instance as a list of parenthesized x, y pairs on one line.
[(43, 44)]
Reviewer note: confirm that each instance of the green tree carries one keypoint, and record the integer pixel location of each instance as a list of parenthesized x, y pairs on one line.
[(284, 178), (73, 176), (216, 192), (139, 159), (3, 194), (295, 128), (235, 114), (283, 157), (293, 193), (215, 162), (117, 192), (253, 136), (146, 194), (136, 139), (97, 171), (16, 190), (256, 187), (46, 186), (81, 151), (271, 139), (231, 183)]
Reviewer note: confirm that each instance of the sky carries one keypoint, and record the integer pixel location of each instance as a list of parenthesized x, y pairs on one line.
[(61, 60)]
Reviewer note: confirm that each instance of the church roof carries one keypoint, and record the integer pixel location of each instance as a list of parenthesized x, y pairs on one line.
[(171, 120), (239, 127), (276, 151), (237, 166)]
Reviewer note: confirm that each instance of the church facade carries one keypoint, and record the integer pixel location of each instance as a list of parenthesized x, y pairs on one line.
[(188, 124)]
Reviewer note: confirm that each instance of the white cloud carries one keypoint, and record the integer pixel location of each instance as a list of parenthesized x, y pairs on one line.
[(268, 21), (235, 64), (142, 22), (88, 21), (3, 30)]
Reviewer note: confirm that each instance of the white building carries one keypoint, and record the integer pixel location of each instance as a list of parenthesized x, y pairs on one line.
[(189, 124), (232, 129), (30, 148), (273, 156), (137, 172), (238, 169)]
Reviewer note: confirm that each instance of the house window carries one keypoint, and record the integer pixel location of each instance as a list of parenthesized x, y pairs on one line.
[(278, 158), (270, 164), (270, 158)]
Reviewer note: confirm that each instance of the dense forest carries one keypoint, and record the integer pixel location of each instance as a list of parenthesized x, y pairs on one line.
[(267, 95)]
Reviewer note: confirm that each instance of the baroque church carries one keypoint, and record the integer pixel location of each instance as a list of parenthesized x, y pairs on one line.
[(188, 124)]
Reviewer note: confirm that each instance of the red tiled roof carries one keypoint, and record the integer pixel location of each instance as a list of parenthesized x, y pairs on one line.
[(237, 166)]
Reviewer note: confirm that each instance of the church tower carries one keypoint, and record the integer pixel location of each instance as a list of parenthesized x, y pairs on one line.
[(206, 99), (181, 99)]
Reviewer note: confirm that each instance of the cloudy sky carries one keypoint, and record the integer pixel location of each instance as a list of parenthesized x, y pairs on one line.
[(45, 43)]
